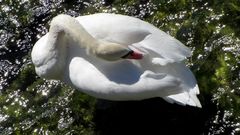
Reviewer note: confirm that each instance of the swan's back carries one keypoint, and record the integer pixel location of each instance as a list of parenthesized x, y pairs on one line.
[(164, 53), (129, 30)]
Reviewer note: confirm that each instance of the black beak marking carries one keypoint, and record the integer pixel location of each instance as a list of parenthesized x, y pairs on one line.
[(129, 53)]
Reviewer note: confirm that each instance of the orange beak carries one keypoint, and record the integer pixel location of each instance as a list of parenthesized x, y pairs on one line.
[(133, 55)]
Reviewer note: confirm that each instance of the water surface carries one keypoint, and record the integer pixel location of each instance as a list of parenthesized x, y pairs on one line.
[(32, 105)]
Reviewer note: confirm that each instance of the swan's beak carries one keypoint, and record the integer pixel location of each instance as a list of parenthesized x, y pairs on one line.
[(133, 55)]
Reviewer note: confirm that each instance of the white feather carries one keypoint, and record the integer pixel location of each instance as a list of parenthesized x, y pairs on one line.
[(160, 73)]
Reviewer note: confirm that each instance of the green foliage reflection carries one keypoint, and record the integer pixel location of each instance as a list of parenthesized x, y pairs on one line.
[(30, 105)]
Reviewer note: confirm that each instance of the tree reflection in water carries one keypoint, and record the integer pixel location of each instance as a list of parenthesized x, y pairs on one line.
[(32, 105)]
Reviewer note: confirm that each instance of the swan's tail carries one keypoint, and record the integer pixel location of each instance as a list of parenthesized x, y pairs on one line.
[(184, 99)]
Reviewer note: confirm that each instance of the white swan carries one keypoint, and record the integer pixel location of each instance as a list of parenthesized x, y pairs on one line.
[(116, 57)]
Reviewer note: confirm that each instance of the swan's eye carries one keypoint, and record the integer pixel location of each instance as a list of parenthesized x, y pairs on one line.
[(128, 54), (133, 55)]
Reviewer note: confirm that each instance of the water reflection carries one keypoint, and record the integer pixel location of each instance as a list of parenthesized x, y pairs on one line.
[(32, 105)]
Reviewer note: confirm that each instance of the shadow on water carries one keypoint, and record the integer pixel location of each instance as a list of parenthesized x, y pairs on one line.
[(151, 116)]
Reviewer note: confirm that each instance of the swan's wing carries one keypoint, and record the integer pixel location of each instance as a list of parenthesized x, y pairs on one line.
[(188, 84), (114, 28), (129, 30), (93, 81), (184, 98), (169, 49), (162, 49)]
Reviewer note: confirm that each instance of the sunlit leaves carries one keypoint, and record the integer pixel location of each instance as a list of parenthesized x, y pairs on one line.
[(31, 105)]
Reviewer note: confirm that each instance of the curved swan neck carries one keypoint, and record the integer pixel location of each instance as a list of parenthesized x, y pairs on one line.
[(64, 30), (73, 30)]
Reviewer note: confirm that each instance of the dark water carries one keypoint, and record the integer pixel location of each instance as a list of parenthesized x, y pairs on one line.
[(31, 105)]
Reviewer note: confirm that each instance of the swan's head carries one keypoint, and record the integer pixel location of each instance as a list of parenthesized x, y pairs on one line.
[(114, 51)]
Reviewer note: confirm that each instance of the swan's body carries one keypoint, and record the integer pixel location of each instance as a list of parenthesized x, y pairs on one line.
[(86, 52)]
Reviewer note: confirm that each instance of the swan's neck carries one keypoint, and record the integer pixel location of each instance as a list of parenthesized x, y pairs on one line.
[(67, 27), (64, 27), (64, 31)]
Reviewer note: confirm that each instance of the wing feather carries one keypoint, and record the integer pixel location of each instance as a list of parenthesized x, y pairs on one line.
[(163, 51), (129, 30)]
